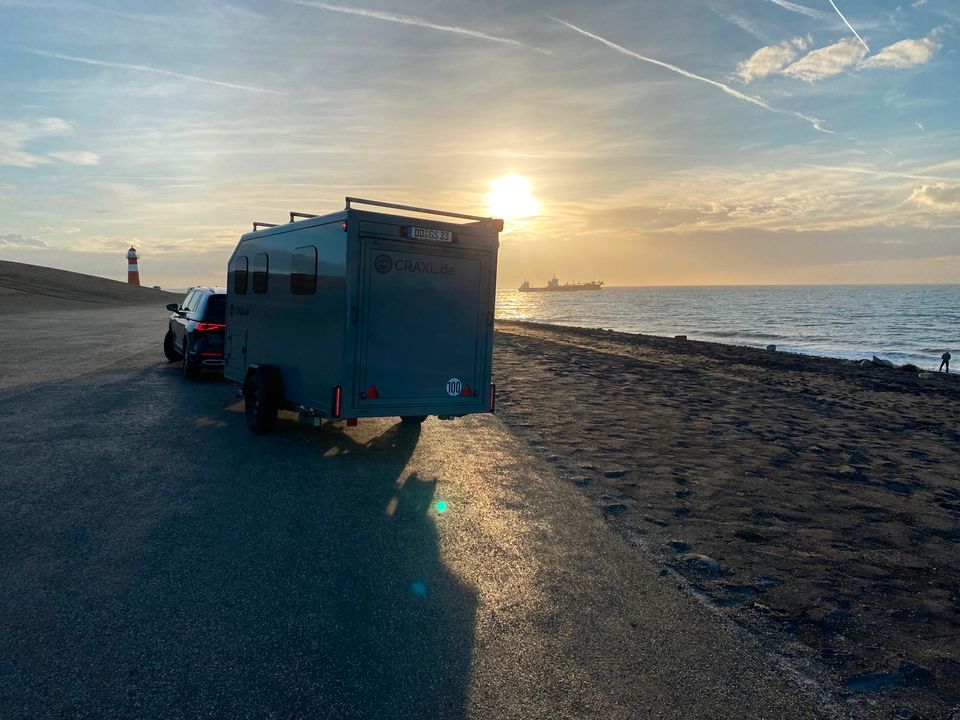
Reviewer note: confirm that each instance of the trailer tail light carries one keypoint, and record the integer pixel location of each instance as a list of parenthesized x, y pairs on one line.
[(493, 396), (207, 327), (343, 226), (335, 403)]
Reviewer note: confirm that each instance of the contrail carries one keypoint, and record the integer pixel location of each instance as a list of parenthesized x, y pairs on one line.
[(693, 76), (149, 69), (849, 25), (802, 9), (417, 22)]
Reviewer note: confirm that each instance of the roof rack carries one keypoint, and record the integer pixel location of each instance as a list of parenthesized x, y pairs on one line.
[(301, 215), (411, 208), (257, 225)]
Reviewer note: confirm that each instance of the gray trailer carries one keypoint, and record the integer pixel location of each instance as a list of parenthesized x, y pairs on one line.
[(363, 313)]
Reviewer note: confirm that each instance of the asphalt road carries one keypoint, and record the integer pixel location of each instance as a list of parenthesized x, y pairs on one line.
[(158, 560)]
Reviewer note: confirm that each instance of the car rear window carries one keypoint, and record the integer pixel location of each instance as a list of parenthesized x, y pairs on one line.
[(216, 309)]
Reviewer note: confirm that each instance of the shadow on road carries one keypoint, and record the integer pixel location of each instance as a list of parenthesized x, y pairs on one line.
[(296, 575)]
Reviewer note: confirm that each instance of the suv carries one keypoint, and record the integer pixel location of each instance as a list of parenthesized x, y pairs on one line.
[(196, 330)]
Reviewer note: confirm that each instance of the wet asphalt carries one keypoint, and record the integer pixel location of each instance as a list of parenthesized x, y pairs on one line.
[(159, 561)]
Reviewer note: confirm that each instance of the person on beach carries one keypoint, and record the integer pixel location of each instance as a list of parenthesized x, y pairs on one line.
[(945, 362)]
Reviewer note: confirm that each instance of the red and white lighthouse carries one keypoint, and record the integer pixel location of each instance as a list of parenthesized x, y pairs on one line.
[(133, 272)]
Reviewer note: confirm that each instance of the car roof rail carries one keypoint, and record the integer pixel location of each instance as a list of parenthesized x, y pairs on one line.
[(300, 215), (257, 225)]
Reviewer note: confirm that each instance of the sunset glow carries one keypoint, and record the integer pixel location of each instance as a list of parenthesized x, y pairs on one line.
[(510, 198), (720, 143)]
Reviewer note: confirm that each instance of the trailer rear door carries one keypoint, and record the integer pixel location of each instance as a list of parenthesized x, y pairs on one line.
[(423, 336)]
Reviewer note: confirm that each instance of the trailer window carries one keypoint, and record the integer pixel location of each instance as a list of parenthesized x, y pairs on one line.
[(240, 275), (261, 269), (303, 271)]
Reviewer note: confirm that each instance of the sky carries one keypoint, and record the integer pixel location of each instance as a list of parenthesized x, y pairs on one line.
[(687, 142)]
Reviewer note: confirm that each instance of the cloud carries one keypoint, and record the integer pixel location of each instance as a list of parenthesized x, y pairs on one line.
[(939, 196), (76, 157), (748, 26), (15, 136), (769, 60), (416, 22), (53, 126), (801, 9), (149, 69), (827, 61), (20, 241), (693, 76), (793, 198), (905, 54)]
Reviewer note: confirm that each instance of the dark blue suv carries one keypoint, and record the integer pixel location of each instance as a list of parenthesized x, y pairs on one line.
[(196, 331)]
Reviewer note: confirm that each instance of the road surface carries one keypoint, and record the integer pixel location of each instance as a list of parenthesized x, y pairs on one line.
[(158, 560)]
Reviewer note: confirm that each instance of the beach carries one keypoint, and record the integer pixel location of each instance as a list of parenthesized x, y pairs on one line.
[(812, 501)]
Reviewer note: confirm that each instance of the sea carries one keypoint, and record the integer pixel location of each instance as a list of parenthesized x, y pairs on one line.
[(901, 323)]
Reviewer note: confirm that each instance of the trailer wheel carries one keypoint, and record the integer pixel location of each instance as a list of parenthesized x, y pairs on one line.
[(168, 347), (413, 419), (262, 396)]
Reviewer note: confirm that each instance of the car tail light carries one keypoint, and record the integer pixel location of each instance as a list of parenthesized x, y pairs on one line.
[(206, 327), (335, 404), (493, 396)]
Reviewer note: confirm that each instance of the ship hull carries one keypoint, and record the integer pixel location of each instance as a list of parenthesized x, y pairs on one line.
[(582, 288)]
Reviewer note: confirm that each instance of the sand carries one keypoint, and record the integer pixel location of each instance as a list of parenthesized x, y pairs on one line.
[(813, 502), (24, 288)]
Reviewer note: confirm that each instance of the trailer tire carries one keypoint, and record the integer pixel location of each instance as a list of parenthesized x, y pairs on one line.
[(413, 419), (262, 397), (168, 347)]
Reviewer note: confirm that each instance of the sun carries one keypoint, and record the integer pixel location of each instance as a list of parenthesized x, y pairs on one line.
[(510, 198)]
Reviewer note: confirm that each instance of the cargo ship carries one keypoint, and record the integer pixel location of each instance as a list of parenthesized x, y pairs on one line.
[(555, 286)]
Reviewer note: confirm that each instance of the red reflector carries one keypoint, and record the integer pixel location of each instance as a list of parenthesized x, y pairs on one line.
[(205, 327), (335, 405), (351, 422), (211, 354), (493, 396), (466, 392), (373, 393), (344, 226)]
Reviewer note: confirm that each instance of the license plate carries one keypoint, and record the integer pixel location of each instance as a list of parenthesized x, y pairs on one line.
[(419, 233)]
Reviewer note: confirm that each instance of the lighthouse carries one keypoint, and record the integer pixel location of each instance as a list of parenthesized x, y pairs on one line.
[(133, 272)]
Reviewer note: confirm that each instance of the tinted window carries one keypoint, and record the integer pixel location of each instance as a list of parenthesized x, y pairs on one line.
[(216, 310), (240, 275), (261, 270), (303, 271), (188, 301)]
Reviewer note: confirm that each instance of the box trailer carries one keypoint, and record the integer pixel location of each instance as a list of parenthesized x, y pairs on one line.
[(363, 313)]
